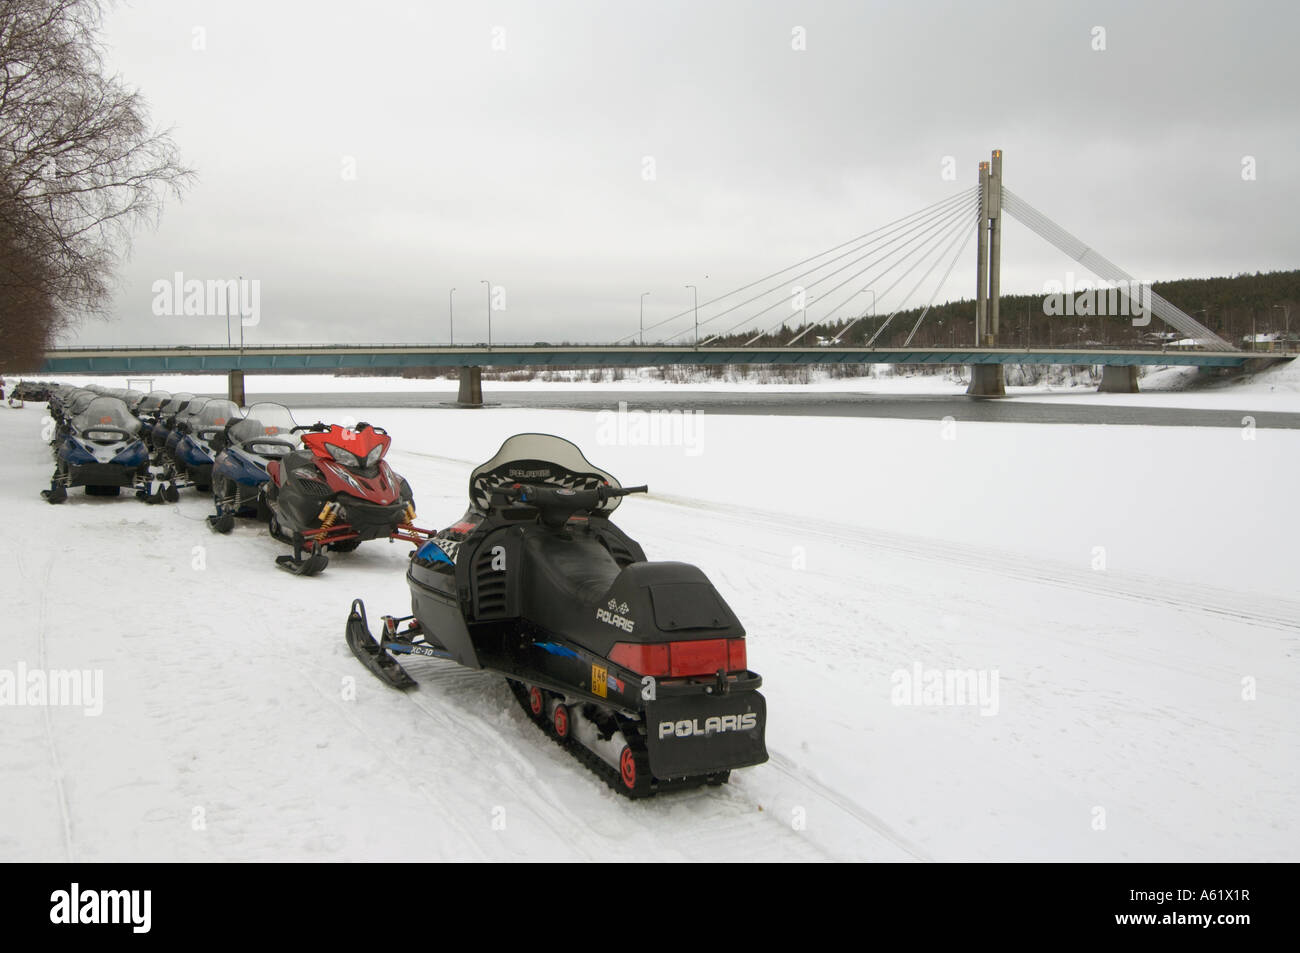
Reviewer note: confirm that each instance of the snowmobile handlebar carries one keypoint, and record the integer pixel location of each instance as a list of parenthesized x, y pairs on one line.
[(556, 501), (319, 427)]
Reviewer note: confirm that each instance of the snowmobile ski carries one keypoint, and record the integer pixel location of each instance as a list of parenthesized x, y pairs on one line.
[(370, 653)]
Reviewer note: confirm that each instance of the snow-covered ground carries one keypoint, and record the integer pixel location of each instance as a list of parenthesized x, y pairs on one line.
[(1132, 591)]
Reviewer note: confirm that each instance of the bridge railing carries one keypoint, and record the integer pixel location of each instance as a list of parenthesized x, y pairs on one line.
[(1056, 349)]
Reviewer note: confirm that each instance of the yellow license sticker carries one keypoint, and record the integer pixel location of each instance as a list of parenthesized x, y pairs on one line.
[(598, 676)]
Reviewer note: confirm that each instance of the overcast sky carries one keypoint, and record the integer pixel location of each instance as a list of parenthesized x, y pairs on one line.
[(360, 159)]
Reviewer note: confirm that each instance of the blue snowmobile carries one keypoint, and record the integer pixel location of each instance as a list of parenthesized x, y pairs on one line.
[(245, 447), (190, 443), (102, 451)]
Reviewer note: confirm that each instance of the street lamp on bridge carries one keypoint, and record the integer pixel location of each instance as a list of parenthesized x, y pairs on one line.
[(697, 313), (489, 309), (873, 303), (836, 339), (643, 294), (451, 318)]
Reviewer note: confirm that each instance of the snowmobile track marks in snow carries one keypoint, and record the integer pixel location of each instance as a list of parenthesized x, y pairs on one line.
[(1265, 611), (56, 765), (847, 805)]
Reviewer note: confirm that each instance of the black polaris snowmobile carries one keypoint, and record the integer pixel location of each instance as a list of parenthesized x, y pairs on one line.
[(637, 668)]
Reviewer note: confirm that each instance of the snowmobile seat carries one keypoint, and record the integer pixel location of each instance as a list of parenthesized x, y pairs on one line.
[(578, 569)]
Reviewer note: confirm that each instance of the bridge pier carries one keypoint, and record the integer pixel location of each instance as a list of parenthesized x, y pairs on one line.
[(1118, 379), (235, 387), (471, 387), (986, 380)]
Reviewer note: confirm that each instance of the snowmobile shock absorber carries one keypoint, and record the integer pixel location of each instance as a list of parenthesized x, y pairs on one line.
[(410, 513), (329, 514)]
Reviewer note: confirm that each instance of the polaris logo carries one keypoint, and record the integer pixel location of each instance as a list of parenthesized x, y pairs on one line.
[(714, 724), (618, 621)]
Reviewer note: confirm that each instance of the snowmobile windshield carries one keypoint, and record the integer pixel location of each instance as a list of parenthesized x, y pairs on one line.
[(190, 413), (214, 414), (153, 400), (265, 441), (273, 420), (177, 403), (541, 459), (108, 412), (133, 398), (81, 402)]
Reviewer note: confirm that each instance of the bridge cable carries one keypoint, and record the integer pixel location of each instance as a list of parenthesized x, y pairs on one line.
[(951, 220), (899, 243), (954, 229), (894, 245), (852, 241), (866, 249), (780, 288), (944, 280), (920, 249), (881, 330), (1047, 229)]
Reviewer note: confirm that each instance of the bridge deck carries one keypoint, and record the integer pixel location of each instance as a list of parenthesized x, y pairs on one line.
[(329, 357)]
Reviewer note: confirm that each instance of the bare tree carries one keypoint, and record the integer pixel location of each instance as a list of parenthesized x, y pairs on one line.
[(80, 167)]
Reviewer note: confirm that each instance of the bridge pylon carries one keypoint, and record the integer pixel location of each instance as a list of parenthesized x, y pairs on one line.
[(986, 380), (470, 392)]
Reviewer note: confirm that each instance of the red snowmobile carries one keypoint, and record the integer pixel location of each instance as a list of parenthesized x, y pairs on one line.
[(335, 494)]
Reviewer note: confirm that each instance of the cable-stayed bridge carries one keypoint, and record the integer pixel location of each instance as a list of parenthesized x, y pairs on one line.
[(903, 266)]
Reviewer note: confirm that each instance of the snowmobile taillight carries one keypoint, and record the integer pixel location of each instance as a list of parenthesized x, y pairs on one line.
[(703, 657), (681, 659), (736, 656), (640, 658)]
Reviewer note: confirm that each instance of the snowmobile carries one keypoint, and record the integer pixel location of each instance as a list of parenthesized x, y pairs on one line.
[(165, 418), (151, 407), (102, 451), (637, 668), (190, 443), (244, 450), (335, 494), (133, 399), (69, 407)]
